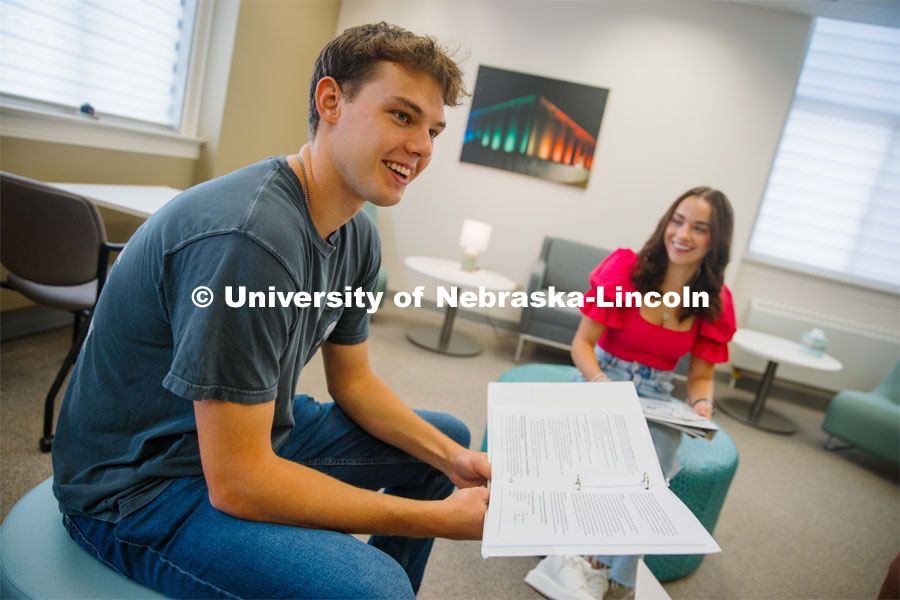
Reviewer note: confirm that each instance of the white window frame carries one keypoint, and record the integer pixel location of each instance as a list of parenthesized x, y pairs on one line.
[(46, 122), (788, 265)]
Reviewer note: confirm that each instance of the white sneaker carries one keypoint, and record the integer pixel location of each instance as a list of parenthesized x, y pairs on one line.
[(562, 578), (598, 582)]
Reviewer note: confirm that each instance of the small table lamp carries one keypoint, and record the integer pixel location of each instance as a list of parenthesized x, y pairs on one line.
[(473, 239)]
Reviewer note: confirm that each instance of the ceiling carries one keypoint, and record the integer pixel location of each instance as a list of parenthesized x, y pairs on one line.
[(875, 12)]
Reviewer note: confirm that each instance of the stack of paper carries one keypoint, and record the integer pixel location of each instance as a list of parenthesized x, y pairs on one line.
[(679, 415), (575, 472)]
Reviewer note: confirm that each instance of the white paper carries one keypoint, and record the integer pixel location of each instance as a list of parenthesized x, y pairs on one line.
[(664, 411), (575, 472)]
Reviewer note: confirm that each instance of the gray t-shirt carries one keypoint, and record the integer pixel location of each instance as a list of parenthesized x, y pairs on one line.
[(126, 426)]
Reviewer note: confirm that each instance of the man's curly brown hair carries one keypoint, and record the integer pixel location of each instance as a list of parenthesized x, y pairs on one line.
[(352, 59)]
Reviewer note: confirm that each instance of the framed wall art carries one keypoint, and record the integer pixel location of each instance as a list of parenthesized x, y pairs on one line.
[(534, 125)]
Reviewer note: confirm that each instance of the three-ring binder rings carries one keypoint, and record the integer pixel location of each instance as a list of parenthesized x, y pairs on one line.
[(575, 472)]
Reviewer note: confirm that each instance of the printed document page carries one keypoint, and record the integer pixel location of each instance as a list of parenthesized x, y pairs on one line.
[(575, 472), (678, 415)]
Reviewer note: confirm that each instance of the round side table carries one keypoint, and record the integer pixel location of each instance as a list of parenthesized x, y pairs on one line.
[(774, 349), (443, 340)]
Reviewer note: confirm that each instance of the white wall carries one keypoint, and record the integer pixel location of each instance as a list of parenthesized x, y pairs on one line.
[(699, 92)]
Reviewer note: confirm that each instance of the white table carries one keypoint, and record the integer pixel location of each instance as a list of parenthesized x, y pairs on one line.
[(443, 340), (137, 200), (774, 349), (647, 586)]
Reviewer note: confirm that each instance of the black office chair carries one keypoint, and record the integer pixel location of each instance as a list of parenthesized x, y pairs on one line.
[(54, 245)]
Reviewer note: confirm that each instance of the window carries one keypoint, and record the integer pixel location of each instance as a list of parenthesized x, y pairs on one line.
[(138, 63), (832, 203), (127, 59)]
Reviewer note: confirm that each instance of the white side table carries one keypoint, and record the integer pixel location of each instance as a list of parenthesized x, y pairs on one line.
[(775, 349), (443, 340), (137, 200)]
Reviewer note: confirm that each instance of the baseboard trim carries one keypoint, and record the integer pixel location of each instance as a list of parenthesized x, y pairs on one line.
[(33, 319)]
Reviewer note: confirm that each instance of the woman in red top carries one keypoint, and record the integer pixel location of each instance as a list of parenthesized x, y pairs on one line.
[(690, 247)]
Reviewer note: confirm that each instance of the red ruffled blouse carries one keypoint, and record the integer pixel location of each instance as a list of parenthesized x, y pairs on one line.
[(629, 337)]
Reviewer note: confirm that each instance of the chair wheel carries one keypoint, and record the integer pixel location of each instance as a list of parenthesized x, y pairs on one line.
[(46, 443)]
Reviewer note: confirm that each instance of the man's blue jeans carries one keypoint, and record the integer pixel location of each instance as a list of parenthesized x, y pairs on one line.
[(182, 546)]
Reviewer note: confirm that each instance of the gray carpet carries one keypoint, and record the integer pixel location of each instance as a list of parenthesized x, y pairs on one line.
[(799, 522)]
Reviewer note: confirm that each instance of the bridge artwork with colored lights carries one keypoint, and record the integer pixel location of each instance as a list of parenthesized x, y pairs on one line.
[(530, 134)]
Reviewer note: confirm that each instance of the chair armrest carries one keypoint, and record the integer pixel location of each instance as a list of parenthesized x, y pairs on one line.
[(103, 262), (538, 273), (113, 246), (535, 282)]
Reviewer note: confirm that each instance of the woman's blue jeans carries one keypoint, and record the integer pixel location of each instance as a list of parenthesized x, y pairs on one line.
[(183, 547), (649, 383)]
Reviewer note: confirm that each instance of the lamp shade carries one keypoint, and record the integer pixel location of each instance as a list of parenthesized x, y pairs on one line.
[(475, 235)]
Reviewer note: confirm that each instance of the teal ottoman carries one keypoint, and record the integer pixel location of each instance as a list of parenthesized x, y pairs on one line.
[(38, 559), (707, 469)]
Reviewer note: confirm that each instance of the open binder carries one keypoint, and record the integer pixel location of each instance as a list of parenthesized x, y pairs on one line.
[(575, 472)]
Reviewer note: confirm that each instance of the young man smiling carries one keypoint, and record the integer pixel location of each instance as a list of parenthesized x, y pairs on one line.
[(182, 457)]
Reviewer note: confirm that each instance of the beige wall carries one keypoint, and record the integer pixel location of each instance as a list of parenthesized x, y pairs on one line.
[(699, 92), (265, 109), (255, 107), (78, 164)]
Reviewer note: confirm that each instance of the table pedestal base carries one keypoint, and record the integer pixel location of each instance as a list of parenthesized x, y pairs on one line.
[(430, 339), (740, 409), (755, 413), (443, 340)]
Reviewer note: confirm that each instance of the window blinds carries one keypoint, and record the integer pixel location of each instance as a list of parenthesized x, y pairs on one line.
[(123, 57), (832, 203)]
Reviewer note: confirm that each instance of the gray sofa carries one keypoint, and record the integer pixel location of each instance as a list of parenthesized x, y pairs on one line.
[(565, 265)]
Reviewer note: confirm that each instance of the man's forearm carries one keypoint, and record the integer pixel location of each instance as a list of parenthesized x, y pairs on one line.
[(247, 480), (280, 491), (375, 408)]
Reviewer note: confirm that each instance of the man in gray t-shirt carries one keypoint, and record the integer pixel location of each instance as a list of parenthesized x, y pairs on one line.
[(182, 457)]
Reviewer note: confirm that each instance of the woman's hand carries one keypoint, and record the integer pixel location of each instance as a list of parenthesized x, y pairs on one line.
[(703, 407)]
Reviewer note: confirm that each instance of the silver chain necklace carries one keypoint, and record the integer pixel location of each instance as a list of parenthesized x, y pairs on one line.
[(305, 184)]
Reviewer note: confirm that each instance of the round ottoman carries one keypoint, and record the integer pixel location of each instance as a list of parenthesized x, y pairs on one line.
[(38, 559), (707, 469)]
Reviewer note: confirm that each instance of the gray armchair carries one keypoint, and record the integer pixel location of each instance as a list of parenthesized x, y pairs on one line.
[(868, 420), (565, 265)]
